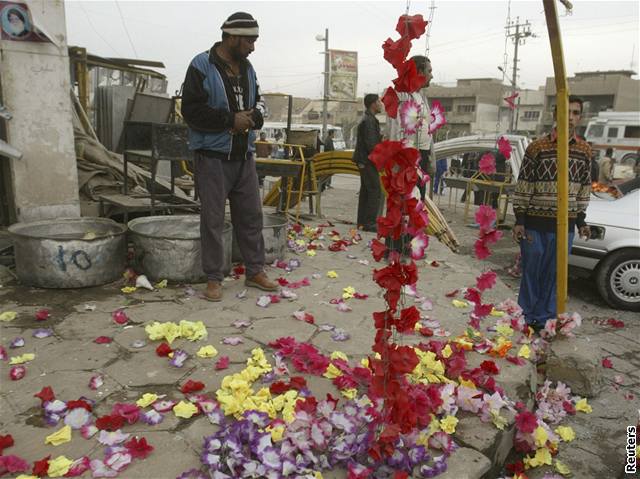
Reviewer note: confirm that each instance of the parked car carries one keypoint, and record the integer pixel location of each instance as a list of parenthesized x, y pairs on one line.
[(612, 254)]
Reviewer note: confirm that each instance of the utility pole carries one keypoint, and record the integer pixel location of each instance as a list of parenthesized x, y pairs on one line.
[(522, 31), (325, 98)]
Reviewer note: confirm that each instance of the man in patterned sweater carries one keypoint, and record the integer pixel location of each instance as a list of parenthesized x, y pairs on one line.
[(536, 205)]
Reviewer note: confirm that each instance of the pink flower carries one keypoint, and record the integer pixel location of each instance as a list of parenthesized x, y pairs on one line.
[(418, 244), (486, 280), (437, 117), (43, 314), (410, 118), (12, 464), (504, 147), (17, 372), (485, 217), (606, 363), (487, 164), (222, 363), (120, 317)]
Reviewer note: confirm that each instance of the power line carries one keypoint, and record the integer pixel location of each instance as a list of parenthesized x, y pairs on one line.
[(126, 29), (96, 31)]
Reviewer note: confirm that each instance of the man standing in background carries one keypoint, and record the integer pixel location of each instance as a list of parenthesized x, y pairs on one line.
[(370, 197), (607, 164)]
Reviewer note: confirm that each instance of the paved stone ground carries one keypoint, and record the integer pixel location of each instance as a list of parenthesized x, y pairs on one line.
[(67, 360)]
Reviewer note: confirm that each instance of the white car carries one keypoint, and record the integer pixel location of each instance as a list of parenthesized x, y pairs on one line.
[(612, 253)]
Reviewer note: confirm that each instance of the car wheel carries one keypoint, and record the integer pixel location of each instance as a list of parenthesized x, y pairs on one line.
[(618, 279)]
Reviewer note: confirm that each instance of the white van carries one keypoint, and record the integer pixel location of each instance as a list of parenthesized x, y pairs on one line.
[(617, 130)]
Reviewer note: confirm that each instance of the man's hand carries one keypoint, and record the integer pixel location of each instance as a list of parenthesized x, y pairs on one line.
[(518, 233), (242, 121), (584, 232)]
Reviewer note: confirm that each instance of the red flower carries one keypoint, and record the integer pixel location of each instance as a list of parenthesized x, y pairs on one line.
[(79, 404), (41, 467), (396, 52), (408, 319), (452, 294), (411, 26), (128, 411), (43, 314), (278, 387), (138, 448), (191, 386), (344, 382), (391, 102), (297, 383), (403, 359), (45, 394), (163, 350), (384, 152), (282, 281), (486, 280), (481, 250), (569, 407), (516, 468), (222, 363), (308, 405), (409, 80), (103, 340), (110, 423), (489, 367), (377, 249), (526, 422), (238, 270), (5, 442), (606, 363)]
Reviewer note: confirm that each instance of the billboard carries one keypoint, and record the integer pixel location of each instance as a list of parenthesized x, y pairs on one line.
[(343, 75)]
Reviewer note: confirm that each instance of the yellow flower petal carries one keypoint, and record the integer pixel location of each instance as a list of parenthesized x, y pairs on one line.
[(524, 352), (496, 313), (25, 358), (447, 351), (8, 316), (349, 393), (339, 355), (332, 372), (459, 304), (128, 289), (582, 406), (448, 424), (24, 476), (311, 252), (541, 458), (276, 433), (59, 437), (147, 399), (184, 409), (59, 466), (207, 352), (497, 420), (467, 383), (161, 284), (504, 330), (566, 433), (332, 274), (540, 436), (562, 468)]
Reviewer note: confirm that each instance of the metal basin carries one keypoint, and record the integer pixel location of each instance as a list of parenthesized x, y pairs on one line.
[(69, 252), (168, 247), (274, 232)]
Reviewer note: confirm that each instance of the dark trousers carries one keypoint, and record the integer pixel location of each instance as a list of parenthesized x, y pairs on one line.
[(217, 180), (427, 167), (370, 198)]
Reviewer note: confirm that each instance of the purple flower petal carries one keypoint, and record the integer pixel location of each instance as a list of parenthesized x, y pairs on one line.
[(232, 340), (340, 335), (17, 343), (263, 301), (151, 417), (54, 407), (164, 406), (42, 333), (95, 382), (138, 343), (241, 323), (326, 327), (112, 438), (179, 357), (77, 418)]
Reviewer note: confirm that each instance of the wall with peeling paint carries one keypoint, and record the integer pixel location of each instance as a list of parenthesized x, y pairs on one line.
[(36, 89)]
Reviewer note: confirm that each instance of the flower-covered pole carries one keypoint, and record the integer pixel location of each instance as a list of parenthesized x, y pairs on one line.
[(405, 406)]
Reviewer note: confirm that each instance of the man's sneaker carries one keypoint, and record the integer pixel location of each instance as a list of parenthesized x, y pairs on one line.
[(213, 291), (261, 281)]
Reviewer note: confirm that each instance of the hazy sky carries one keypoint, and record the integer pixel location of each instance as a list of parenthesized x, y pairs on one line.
[(467, 38)]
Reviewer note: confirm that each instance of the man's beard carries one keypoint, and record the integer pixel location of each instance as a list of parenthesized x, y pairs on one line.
[(16, 28), (237, 55)]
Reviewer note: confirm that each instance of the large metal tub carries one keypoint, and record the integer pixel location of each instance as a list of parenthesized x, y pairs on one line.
[(69, 252), (274, 232), (168, 247)]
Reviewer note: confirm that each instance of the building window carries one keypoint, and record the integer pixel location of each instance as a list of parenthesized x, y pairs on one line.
[(612, 132), (632, 132), (531, 115), (466, 108)]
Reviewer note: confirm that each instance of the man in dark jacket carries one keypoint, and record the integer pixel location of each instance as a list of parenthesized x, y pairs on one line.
[(221, 104), (368, 136)]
